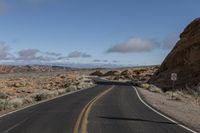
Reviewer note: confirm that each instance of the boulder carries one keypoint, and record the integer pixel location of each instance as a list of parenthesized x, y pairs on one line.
[(111, 73), (97, 73)]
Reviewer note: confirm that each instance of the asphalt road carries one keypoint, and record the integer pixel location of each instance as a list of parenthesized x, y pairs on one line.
[(121, 111), (102, 109)]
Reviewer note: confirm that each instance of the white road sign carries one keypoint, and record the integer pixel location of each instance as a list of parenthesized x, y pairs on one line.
[(173, 76)]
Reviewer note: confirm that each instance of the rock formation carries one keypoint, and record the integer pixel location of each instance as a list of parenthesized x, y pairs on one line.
[(184, 59)]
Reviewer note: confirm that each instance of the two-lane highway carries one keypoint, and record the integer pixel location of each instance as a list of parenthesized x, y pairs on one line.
[(107, 108)]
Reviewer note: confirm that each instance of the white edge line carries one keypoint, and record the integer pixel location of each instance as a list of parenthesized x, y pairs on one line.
[(43, 101), (161, 113)]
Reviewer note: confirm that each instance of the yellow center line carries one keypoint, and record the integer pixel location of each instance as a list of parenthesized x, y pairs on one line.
[(81, 124)]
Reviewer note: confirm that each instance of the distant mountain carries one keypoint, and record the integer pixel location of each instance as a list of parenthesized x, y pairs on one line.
[(51, 67), (28, 68), (92, 65), (184, 60)]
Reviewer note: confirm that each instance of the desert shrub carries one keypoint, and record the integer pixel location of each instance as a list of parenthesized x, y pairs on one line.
[(18, 84), (61, 91), (85, 83), (41, 95), (3, 95), (182, 93), (145, 86), (195, 92), (81, 85), (176, 96), (3, 104), (28, 100), (53, 93), (155, 89), (72, 88), (151, 88), (15, 103)]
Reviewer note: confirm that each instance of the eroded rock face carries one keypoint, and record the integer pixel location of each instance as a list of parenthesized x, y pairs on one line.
[(184, 59)]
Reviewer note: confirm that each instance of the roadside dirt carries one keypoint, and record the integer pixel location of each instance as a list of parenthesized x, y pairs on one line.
[(184, 111)]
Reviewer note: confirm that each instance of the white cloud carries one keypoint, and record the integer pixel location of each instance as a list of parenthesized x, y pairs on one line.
[(28, 54), (62, 58), (115, 61), (37, 55), (78, 54), (4, 52), (96, 60), (53, 54), (134, 45)]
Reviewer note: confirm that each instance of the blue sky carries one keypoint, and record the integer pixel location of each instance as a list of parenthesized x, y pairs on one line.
[(92, 31)]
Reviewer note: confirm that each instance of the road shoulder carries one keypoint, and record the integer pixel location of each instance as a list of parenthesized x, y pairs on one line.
[(186, 113)]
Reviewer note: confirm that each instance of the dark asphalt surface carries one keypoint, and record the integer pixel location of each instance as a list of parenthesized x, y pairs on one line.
[(56, 116), (119, 111)]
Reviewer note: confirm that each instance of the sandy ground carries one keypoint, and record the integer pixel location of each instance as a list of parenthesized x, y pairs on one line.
[(183, 111)]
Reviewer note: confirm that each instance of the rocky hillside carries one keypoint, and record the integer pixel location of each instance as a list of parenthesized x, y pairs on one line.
[(134, 74), (184, 59)]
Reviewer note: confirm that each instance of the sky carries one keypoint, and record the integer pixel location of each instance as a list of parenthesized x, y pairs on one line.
[(121, 32)]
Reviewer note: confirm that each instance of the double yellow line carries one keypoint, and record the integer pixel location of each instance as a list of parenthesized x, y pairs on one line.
[(81, 124)]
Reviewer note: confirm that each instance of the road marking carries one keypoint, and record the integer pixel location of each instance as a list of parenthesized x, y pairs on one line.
[(14, 126), (43, 101), (81, 124), (161, 114)]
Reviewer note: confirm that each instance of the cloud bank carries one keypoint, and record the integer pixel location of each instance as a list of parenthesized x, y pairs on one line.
[(36, 55), (78, 54), (53, 54), (28, 54), (96, 60), (138, 45), (134, 45)]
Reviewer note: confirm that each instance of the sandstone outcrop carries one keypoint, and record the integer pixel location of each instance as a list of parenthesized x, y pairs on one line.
[(184, 59)]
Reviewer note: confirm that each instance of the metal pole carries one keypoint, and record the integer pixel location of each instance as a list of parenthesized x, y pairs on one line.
[(172, 88)]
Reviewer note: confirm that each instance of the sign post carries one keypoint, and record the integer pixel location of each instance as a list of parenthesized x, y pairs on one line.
[(173, 78)]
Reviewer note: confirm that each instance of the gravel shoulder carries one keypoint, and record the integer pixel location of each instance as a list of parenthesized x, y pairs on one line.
[(184, 110)]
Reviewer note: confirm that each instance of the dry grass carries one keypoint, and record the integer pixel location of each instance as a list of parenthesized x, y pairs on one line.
[(151, 88)]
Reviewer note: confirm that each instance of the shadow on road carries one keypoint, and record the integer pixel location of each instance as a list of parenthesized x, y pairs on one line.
[(103, 82), (135, 119)]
